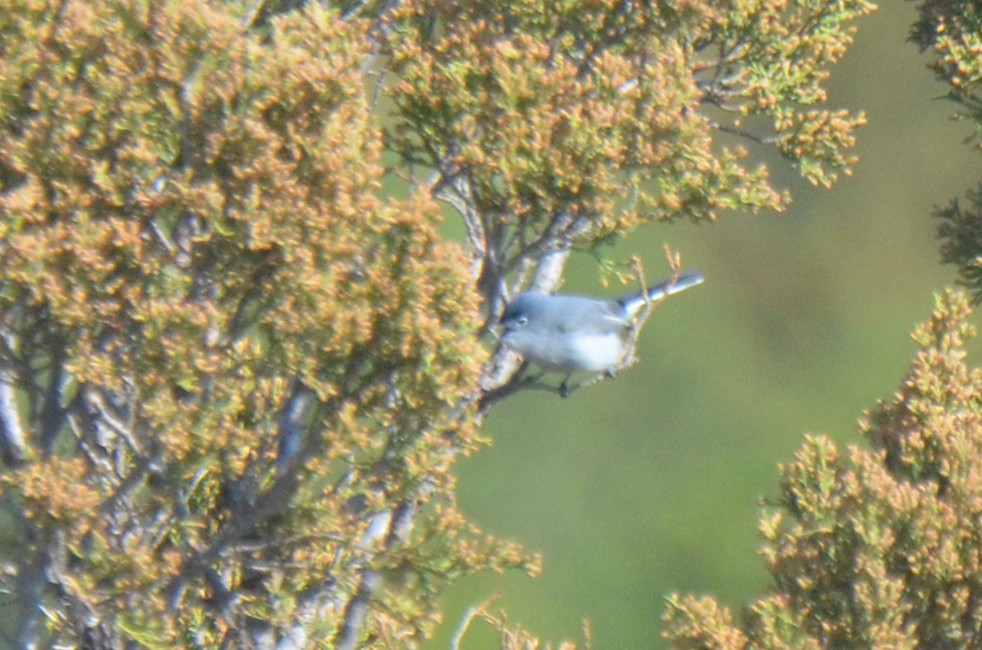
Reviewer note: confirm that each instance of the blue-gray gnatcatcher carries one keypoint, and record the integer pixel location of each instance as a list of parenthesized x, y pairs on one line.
[(563, 333)]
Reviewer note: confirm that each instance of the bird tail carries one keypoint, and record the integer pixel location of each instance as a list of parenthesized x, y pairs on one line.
[(633, 302)]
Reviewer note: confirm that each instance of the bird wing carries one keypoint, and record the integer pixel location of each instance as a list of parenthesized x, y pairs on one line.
[(591, 316)]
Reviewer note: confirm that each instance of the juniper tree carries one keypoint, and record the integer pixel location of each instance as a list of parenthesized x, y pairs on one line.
[(873, 546), (880, 546), (239, 351), (952, 32)]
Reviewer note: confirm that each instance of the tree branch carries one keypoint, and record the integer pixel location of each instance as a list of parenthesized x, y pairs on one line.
[(12, 450)]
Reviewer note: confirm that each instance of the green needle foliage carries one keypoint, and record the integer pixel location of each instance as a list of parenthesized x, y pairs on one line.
[(233, 364), (882, 547), (236, 366), (877, 547), (952, 32)]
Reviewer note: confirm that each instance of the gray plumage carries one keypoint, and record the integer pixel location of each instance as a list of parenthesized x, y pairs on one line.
[(566, 333)]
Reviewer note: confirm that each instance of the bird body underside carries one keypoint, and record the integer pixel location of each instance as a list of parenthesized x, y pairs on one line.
[(569, 333), (565, 353)]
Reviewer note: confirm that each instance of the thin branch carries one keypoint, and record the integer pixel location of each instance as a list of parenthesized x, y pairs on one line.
[(742, 133), (292, 419), (29, 589), (472, 613), (357, 610), (253, 14), (52, 413), (515, 383), (106, 416), (12, 446), (559, 235), (549, 271), (377, 89)]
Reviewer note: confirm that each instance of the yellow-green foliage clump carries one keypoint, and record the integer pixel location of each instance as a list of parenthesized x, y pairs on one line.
[(552, 112), (874, 547), (234, 374), (952, 32), (881, 547), (231, 359)]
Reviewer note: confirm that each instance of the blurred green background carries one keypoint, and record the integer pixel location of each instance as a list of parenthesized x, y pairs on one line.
[(649, 484)]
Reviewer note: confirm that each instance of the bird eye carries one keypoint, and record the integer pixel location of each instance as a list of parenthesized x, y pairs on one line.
[(521, 321)]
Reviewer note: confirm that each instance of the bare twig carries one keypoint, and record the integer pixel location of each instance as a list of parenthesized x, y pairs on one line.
[(249, 20), (469, 616), (106, 416)]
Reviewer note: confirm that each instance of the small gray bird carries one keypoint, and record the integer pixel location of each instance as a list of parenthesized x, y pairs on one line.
[(566, 334)]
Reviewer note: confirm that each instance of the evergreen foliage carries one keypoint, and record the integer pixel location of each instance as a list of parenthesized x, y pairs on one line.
[(236, 365)]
